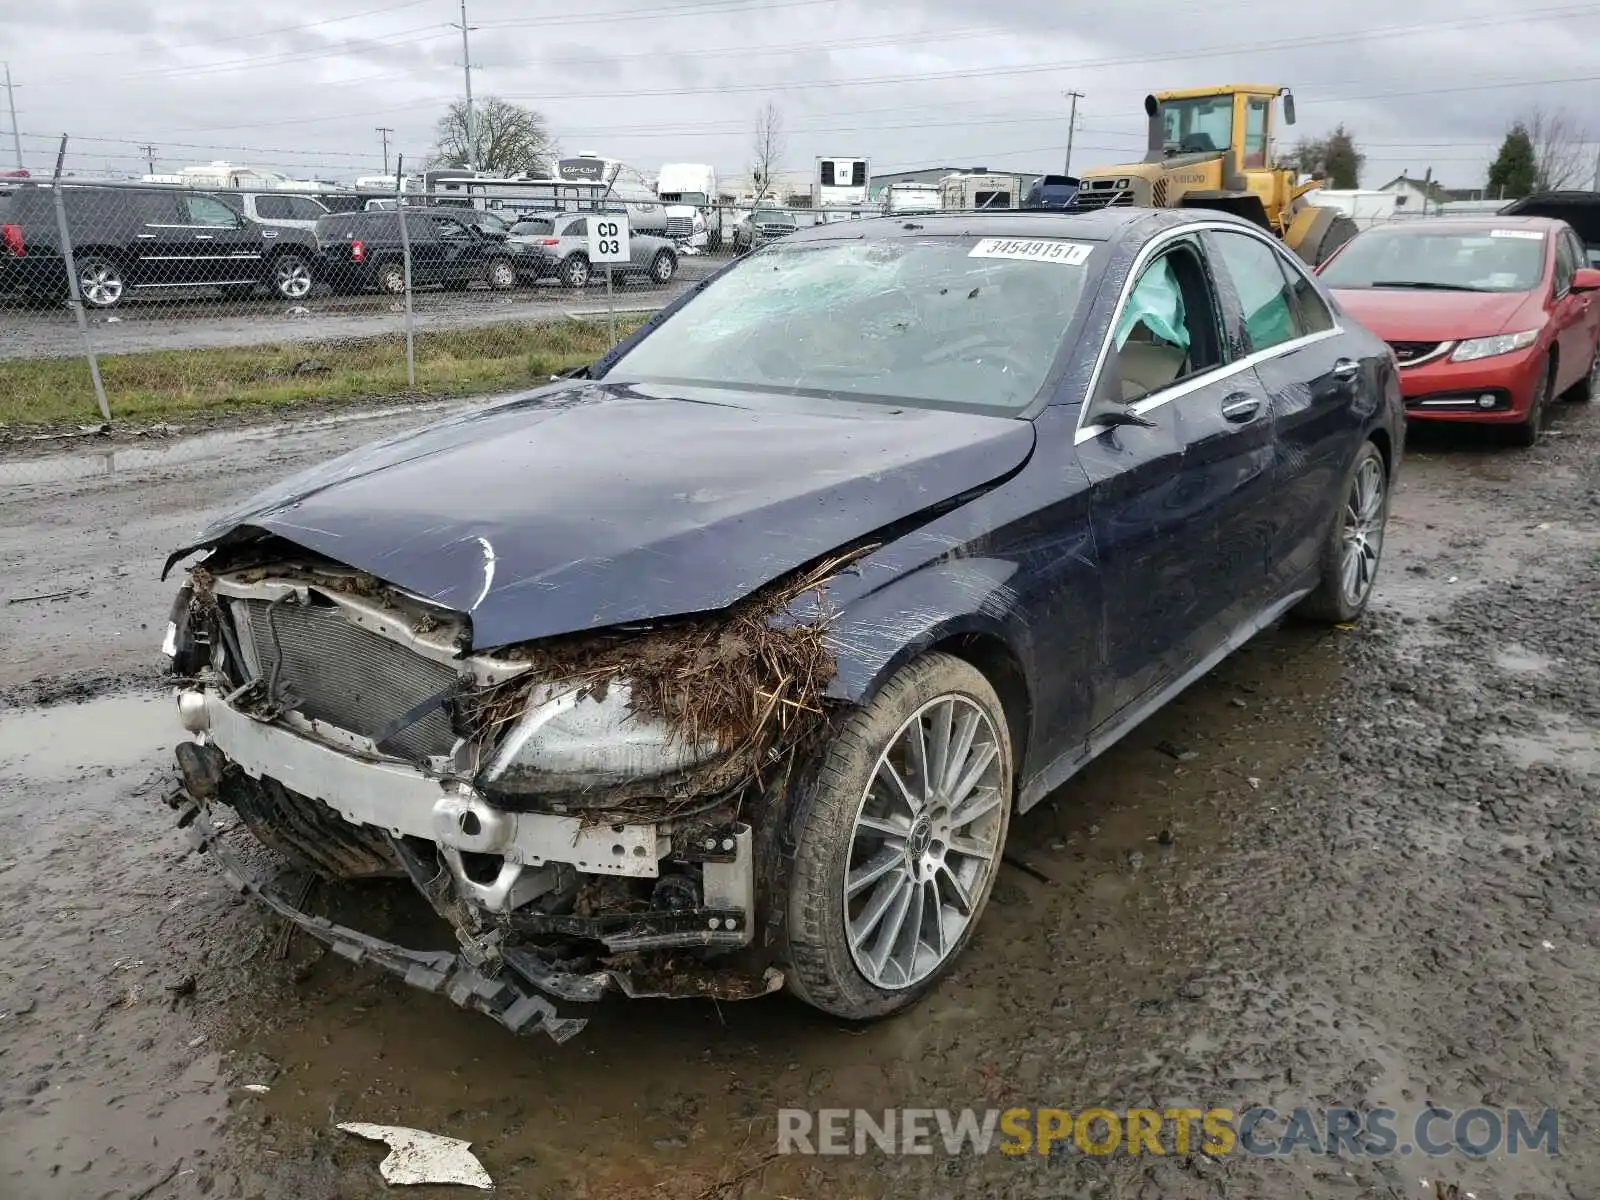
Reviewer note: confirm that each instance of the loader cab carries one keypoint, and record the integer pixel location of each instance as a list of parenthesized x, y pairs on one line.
[(1236, 119), (1225, 136)]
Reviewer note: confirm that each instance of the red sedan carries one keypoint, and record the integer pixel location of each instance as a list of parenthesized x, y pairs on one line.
[(1490, 318)]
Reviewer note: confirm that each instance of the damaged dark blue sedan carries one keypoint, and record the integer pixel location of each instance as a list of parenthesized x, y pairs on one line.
[(721, 666)]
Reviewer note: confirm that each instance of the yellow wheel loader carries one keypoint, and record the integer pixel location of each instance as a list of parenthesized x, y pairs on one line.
[(1212, 148)]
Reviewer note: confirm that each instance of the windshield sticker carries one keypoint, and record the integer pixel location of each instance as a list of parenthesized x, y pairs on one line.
[(1527, 235), (1068, 254)]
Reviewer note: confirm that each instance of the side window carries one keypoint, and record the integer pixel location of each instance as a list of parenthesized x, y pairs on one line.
[(1255, 133), (1310, 307), (209, 211), (450, 229), (160, 208), (273, 208), (304, 208), (1265, 302), (1566, 264), (578, 228), (1167, 329)]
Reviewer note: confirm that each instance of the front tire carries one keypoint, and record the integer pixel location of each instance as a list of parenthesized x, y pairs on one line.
[(1589, 386), (1527, 432), (663, 268), (899, 841), (501, 274), (1354, 546)]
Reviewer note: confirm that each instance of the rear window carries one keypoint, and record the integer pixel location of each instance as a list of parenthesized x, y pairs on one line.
[(536, 226), (344, 225)]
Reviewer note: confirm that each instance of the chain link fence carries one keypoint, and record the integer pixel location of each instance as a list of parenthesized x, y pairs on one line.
[(133, 303)]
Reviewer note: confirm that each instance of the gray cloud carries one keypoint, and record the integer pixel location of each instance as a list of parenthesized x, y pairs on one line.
[(307, 92)]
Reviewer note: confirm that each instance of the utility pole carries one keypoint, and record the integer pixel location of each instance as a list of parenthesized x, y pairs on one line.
[(466, 72), (11, 102), (150, 156), (384, 131), (1072, 125)]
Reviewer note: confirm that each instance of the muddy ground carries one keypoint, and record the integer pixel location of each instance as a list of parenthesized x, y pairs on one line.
[(1354, 867)]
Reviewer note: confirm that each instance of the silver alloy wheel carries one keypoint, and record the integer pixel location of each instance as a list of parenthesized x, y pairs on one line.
[(392, 279), (502, 275), (1363, 531), (291, 275), (99, 283), (577, 272), (663, 269), (924, 843)]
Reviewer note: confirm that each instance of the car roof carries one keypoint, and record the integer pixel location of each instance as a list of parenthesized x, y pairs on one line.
[(1472, 224), (1094, 225)]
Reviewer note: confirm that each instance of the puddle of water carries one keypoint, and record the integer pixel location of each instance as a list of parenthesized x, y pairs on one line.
[(1576, 749), (96, 463), (1521, 661), (109, 734)]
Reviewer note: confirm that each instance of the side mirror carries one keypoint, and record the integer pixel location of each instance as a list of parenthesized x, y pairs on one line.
[(1586, 279), (1288, 107)]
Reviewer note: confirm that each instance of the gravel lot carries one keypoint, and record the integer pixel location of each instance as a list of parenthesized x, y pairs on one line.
[(1354, 868)]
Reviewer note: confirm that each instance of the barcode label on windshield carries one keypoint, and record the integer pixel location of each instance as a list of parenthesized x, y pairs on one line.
[(1529, 235), (1069, 254)]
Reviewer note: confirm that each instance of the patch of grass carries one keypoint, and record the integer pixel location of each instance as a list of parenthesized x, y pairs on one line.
[(158, 385)]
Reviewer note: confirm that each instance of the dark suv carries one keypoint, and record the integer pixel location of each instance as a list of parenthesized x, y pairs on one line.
[(363, 250), (127, 239)]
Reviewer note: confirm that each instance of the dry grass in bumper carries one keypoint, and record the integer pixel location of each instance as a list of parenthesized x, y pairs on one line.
[(163, 384)]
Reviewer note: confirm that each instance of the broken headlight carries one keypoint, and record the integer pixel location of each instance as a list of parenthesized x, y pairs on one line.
[(586, 738), (188, 648)]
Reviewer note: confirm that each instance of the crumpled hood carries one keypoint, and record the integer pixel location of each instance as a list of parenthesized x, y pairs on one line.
[(586, 505), (1413, 315)]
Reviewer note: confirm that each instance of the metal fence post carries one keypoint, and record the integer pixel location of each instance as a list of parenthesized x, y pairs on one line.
[(73, 289), (405, 256)]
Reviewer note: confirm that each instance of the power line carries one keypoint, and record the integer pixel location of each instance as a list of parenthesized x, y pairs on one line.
[(466, 75), (150, 155)]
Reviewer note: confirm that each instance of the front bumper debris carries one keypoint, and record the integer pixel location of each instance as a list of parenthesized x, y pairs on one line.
[(439, 971)]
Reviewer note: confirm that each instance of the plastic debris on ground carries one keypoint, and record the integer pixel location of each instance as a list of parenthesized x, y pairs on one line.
[(419, 1157)]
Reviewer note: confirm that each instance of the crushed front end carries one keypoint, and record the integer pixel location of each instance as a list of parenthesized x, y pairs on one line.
[(579, 810)]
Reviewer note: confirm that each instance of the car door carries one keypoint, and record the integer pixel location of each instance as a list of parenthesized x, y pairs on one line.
[(1279, 318), (1179, 499), (163, 242), (459, 248), (1590, 342), (427, 250), (225, 247), (1573, 312)]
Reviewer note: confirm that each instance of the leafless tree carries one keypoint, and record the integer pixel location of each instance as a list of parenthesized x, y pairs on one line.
[(767, 150), (1560, 156), (510, 139)]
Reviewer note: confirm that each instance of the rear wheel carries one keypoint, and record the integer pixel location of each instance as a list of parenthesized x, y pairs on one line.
[(1354, 545), (899, 842), (291, 276), (101, 281), (1530, 429), (391, 278), (575, 271), (664, 267)]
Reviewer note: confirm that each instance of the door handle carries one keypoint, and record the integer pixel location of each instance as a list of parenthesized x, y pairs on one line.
[(1346, 368), (145, 236), (202, 237), (1239, 407), (269, 233)]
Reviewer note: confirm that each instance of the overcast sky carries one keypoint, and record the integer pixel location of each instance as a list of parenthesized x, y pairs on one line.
[(937, 82)]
